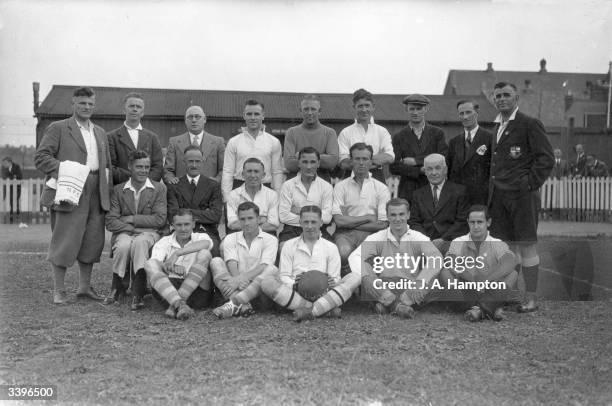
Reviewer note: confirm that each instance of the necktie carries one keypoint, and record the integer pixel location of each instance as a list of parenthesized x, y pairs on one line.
[(196, 141), (468, 141), (193, 185), (435, 195)]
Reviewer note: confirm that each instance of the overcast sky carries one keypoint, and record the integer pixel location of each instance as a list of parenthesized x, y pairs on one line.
[(302, 46)]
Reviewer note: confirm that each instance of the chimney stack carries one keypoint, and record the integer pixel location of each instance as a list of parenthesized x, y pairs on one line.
[(543, 66), (489, 67), (36, 91)]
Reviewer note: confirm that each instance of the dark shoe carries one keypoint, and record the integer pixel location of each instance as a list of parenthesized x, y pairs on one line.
[(183, 311), (528, 307), (112, 297), (137, 303), (380, 308), (90, 294), (474, 314), (404, 311), (60, 297)]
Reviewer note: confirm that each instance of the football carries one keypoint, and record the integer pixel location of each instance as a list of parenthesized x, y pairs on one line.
[(312, 285)]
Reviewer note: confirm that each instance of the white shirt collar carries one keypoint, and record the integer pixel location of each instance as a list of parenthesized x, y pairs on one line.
[(89, 125), (242, 239), (371, 120), (189, 179), (440, 186), (498, 119), (147, 184), (471, 133), (404, 236), (130, 128)]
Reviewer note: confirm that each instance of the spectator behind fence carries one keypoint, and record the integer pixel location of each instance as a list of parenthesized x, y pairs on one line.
[(561, 168), (11, 171), (578, 168), (595, 168)]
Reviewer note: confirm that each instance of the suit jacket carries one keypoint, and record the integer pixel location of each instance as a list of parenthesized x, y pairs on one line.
[(471, 168), (62, 141), (120, 145), (448, 220), (406, 144), (561, 170), (600, 169), (213, 151), (150, 215), (523, 158), (579, 166), (205, 203), (14, 172)]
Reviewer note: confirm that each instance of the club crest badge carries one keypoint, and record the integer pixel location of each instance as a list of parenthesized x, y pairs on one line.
[(481, 150), (515, 151)]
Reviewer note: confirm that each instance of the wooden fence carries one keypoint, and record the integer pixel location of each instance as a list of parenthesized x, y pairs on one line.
[(587, 199)]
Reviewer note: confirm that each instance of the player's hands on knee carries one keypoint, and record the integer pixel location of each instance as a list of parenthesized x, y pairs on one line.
[(331, 282)]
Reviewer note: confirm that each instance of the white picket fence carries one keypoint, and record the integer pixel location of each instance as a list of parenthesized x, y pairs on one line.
[(28, 201)]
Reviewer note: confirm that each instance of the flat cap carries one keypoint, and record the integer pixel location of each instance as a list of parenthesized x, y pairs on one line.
[(416, 99)]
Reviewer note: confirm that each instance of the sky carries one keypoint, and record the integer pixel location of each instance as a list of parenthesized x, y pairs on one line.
[(272, 45)]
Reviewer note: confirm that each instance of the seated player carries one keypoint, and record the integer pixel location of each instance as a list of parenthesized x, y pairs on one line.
[(200, 194), (252, 190), (248, 257), (178, 268), (439, 209), (492, 260), (309, 252), (407, 285), (359, 204), (305, 189), (137, 213)]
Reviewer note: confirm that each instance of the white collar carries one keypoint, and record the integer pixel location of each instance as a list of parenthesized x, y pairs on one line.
[(242, 239), (130, 128), (471, 133), (498, 119), (189, 179), (440, 186), (147, 184), (404, 236), (89, 125), (371, 121)]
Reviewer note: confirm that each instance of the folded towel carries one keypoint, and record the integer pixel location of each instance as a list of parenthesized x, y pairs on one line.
[(70, 181)]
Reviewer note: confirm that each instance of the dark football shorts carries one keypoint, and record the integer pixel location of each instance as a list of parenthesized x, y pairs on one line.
[(515, 216)]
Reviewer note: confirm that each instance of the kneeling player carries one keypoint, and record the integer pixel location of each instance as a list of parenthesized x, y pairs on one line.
[(178, 268), (248, 257), (397, 265), (309, 252), (489, 279)]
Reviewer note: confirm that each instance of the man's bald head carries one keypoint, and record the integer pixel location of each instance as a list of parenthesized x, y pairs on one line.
[(195, 119)]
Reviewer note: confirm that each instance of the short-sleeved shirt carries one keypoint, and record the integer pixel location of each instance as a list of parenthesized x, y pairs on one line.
[(266, 199), (377, 136), (296, 258), (293, 192), (262, 250), (168, 245), (491, 250), (370, 198)]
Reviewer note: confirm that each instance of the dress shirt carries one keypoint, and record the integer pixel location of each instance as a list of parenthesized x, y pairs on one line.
[(196, 179), (266, 199), (196, 139), (133, 132), (418, 131), (490, 251), (470, 134), (503, 124), (371, 198), (90, 145), (262, 250), (293, 192), (128, 185), (296, 258), (439, 191), (168, 245), (377, 136)]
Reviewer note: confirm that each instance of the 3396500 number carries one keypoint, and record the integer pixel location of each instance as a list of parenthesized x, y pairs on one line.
[(28, 392)]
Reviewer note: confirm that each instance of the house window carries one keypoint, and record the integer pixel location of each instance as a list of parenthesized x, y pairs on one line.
[(595, 120)]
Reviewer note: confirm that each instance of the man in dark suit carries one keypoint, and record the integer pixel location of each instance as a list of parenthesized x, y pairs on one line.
[(439, 209), (199, 194), (130, 137), (469, 154), (413, 143), (12, 171), (578, 167), (522, 159), (595, 168), (77, 231), (561, 168), (212, 148)]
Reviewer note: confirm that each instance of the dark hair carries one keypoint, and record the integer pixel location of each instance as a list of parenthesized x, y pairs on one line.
[(137, 154), (309, 150), (360, 146), (253, 160), (253, 102), (464, 101), (135, 95), (192, 148), (501, 85), (311, 209), (244, 206), (8, 159), (398, 202), (83, 92), (362, 94), (183, 211), (479, 208)]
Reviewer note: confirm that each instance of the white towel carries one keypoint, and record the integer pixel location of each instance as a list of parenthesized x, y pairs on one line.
[(70, 180)]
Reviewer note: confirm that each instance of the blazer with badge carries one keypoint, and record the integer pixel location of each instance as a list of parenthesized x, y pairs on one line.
[(471, 167), (523, 158), (121, 145), (62, 141), (205, 203), (213, 152), (406, 144), (448, 220)]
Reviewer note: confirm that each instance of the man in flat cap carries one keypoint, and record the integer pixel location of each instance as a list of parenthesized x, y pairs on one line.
[(413, 143)]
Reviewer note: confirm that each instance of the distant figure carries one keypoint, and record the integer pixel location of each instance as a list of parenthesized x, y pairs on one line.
[(578, 168), (595, 168), (561, 168), (11, 171)]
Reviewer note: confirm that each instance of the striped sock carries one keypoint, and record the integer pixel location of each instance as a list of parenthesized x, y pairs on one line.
[(163, 286), (283, 294), (194, 277), (254, 289), (336, 296)]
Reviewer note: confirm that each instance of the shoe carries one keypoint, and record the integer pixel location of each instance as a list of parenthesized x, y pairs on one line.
[(474, 314), (90, 294), (498, 314), (227, 310), (404, 311), (335, 313), (60, 297), (170, 312), (246, 310), (528, 307), (303, 313), (183, 311), (137, 303), (112, 297), (380, 308)]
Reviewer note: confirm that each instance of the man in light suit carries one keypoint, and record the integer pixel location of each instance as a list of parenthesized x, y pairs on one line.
[(561, 168), (469, 154), (77, 231), (130, 137), (212, 148)]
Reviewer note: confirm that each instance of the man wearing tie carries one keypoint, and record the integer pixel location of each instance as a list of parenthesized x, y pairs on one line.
[(578, 168), (469, 154), (522, 159), (130, 137), (561, 167), (212, 148)]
